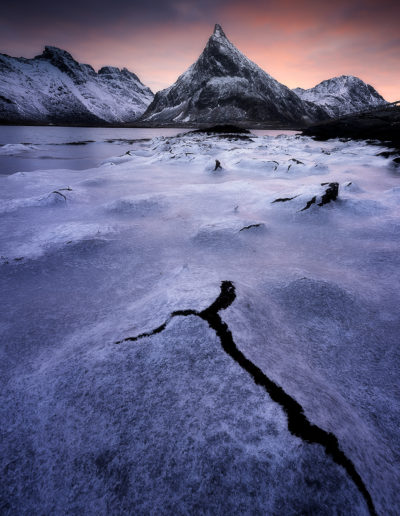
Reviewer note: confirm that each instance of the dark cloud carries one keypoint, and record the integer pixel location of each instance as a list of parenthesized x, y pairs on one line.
[(103, 12), (24, 18)]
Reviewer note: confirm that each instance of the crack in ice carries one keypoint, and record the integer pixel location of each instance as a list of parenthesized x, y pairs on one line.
[(298, 423)]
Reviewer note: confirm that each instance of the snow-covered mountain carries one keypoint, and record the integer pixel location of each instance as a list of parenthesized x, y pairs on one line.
[(224, 86), (342, 95), (54, 88)]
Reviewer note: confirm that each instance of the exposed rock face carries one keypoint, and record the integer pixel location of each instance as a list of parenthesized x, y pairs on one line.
[(223, 129), (342, 95), (54, 88), (224, 86), (320, 196), (330, 194)]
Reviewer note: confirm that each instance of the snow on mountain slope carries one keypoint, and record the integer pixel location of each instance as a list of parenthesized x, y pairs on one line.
[(54, 88), (223, 85), (342, 95)]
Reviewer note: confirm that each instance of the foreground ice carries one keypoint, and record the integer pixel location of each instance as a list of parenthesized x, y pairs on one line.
[(170, 423)]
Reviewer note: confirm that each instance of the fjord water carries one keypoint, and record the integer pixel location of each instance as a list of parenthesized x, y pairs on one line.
[(27, 148), (170, 423)]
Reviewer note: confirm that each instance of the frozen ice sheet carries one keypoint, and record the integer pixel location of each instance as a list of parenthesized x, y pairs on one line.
[(157, 230)]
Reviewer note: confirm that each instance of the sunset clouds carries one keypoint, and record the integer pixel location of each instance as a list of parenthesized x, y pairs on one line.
[(299, 43)]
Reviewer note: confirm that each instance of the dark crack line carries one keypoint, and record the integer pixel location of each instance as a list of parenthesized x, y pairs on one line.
[(298, 423), (59, 193), (251, 226), (284, 199), (309, 203), (160, 328)]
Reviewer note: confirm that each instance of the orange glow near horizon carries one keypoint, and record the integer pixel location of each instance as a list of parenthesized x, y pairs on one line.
[(299, 44)]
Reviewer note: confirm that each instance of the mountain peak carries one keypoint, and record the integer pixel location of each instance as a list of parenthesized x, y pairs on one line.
[(62, 60), (224, 86), (342, 95), (218, 31), (55, 53)]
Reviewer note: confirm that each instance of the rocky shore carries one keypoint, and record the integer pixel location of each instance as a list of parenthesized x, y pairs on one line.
[(382, 125)]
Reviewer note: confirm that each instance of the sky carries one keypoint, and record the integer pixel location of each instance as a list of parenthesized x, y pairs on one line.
[(299, 43)]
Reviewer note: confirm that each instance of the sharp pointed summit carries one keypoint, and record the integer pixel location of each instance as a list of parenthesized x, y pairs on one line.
[(224, 86), (218, 31)]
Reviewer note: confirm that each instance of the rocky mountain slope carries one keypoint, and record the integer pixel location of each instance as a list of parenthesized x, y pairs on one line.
[(224, 86), (54, 88), (382, 124), (342, 95)]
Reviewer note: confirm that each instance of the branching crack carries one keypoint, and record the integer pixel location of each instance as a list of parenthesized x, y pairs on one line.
[(298, 423)]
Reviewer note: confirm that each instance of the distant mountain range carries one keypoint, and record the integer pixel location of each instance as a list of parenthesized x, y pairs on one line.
[(222, 86), (54, 88)]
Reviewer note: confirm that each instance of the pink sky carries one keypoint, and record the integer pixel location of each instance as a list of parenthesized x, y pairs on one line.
[(298, 43)]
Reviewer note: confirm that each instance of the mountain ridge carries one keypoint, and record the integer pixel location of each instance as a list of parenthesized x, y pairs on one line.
[(222, 86), (342, 95), (53, 88)]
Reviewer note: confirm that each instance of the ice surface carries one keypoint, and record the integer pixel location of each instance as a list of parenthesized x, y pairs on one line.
[(65, 147), (11, 149), (170, 424)]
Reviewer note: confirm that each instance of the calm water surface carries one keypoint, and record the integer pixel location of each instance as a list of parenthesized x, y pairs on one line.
[(26, 148)]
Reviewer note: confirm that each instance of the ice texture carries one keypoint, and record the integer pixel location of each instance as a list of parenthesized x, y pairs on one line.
[(170, 424)]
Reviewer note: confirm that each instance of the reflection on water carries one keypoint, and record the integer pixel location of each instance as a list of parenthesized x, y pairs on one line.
[(23, 149), (27, 148)]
